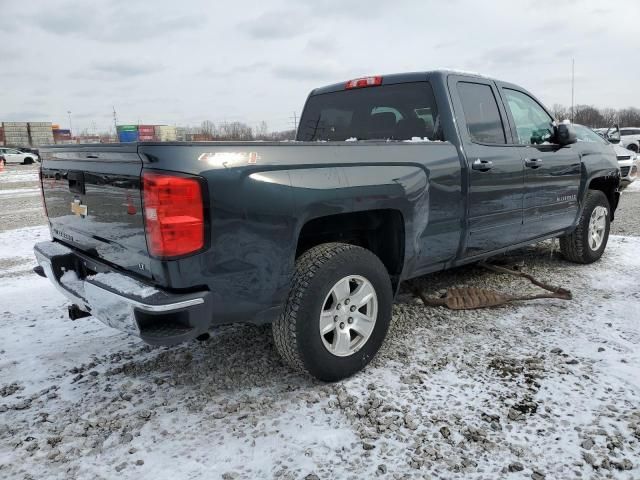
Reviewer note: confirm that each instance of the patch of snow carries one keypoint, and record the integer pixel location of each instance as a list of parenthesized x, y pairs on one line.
[(123, 284), (351, 139)]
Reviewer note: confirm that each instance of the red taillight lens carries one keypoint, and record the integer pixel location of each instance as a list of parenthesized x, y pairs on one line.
[(173, 214), (363, 82)]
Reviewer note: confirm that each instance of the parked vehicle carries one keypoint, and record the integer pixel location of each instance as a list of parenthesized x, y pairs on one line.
[(32, 151), (630, 138), (628, 163), (627, 160), (167, 240), (12, 155)]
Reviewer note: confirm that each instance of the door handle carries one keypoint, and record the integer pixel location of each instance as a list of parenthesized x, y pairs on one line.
[(533, 162), (482, 165)]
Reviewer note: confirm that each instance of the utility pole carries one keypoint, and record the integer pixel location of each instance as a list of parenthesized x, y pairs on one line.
[(115, 120), (294, 119), (70, 127), (573, 81)]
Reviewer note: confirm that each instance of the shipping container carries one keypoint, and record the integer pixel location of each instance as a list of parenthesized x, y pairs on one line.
[(166, 133), (15, 129), (127, 128), (59, 131), (39, 124), (146, 128), (55, 126), (15, 124), (146, 138), (125, 136)]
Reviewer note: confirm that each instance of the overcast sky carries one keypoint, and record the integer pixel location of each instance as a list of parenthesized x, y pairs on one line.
[(184, 61)]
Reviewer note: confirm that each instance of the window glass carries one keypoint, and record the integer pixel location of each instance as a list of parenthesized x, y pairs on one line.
[(481, 113), (585, 134), (388, 112), (533, 124), (624, 133)]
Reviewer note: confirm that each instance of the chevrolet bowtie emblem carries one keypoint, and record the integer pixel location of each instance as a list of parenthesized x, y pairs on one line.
[(78, 208)]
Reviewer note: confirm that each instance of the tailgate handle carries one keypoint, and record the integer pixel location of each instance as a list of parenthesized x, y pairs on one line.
[(76, 182)]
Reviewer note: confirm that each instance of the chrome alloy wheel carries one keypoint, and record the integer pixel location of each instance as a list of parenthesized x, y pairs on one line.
[(597, 227), (348, 315)]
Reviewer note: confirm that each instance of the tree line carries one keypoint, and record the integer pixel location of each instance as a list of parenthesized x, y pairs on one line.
[(598, 117), (209, 131)]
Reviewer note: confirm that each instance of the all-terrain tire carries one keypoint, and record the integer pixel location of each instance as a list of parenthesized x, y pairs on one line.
[(575, 246), (297, 332)]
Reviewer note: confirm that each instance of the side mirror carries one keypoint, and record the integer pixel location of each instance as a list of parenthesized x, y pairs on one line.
[(613, 134), (565, 134)]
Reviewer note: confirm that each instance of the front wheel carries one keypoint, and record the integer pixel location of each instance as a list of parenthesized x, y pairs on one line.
[(587, 242), (337, 314)]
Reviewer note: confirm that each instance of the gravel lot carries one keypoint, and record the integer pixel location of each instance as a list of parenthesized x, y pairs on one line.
[(546, 389)]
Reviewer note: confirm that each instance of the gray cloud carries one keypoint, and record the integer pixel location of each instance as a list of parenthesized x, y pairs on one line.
[(274, 25), (126, 68), (119, 22)]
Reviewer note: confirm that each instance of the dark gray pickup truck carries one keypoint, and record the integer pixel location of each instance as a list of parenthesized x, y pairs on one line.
[(390, 178)]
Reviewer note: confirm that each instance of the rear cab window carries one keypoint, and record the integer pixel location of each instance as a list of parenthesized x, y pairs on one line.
[(481, 113), (400, 111)]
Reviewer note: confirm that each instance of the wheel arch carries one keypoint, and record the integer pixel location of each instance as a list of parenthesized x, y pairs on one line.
[(609, 185), (381, 231)]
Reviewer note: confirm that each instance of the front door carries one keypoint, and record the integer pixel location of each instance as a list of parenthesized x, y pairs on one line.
[(495, 171), (551, 173)]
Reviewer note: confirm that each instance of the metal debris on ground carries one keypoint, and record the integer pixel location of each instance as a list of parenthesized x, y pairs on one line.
[(469, 298)]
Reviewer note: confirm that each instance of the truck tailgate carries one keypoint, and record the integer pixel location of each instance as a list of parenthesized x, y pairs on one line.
[(93, 199)]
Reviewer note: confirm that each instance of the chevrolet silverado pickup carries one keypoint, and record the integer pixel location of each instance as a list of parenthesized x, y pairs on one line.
[(390, 177)]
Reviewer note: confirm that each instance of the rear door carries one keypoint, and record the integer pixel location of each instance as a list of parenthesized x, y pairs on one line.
[(92, 197), (551, 173), (495, 172)]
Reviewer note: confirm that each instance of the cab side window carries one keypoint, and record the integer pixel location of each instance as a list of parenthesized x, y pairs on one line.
[(481, 113), (533, 124)]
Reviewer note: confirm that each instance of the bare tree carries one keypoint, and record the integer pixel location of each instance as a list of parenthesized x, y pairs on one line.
[(588, 115), (560, 112), (629, 117), (207, 130), (609, 117), (261, 131)]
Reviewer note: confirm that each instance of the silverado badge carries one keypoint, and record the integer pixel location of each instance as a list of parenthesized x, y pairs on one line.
[(78, 209)]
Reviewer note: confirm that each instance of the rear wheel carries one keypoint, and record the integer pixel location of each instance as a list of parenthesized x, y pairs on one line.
[(27, 161), (337, 314), (587, 242)]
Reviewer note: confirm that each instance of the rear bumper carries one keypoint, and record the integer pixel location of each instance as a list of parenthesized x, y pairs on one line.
[(156, 316)]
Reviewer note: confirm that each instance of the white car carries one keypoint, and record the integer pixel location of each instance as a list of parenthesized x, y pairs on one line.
[(627, 159), (11, 155), (630, 138), (628, 163)]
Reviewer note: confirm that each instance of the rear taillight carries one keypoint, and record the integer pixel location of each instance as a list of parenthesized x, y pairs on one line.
[(173, 214), (363, 82)]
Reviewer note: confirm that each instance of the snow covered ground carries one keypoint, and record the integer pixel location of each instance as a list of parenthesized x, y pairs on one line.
[(458, 394), (547, 388)]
